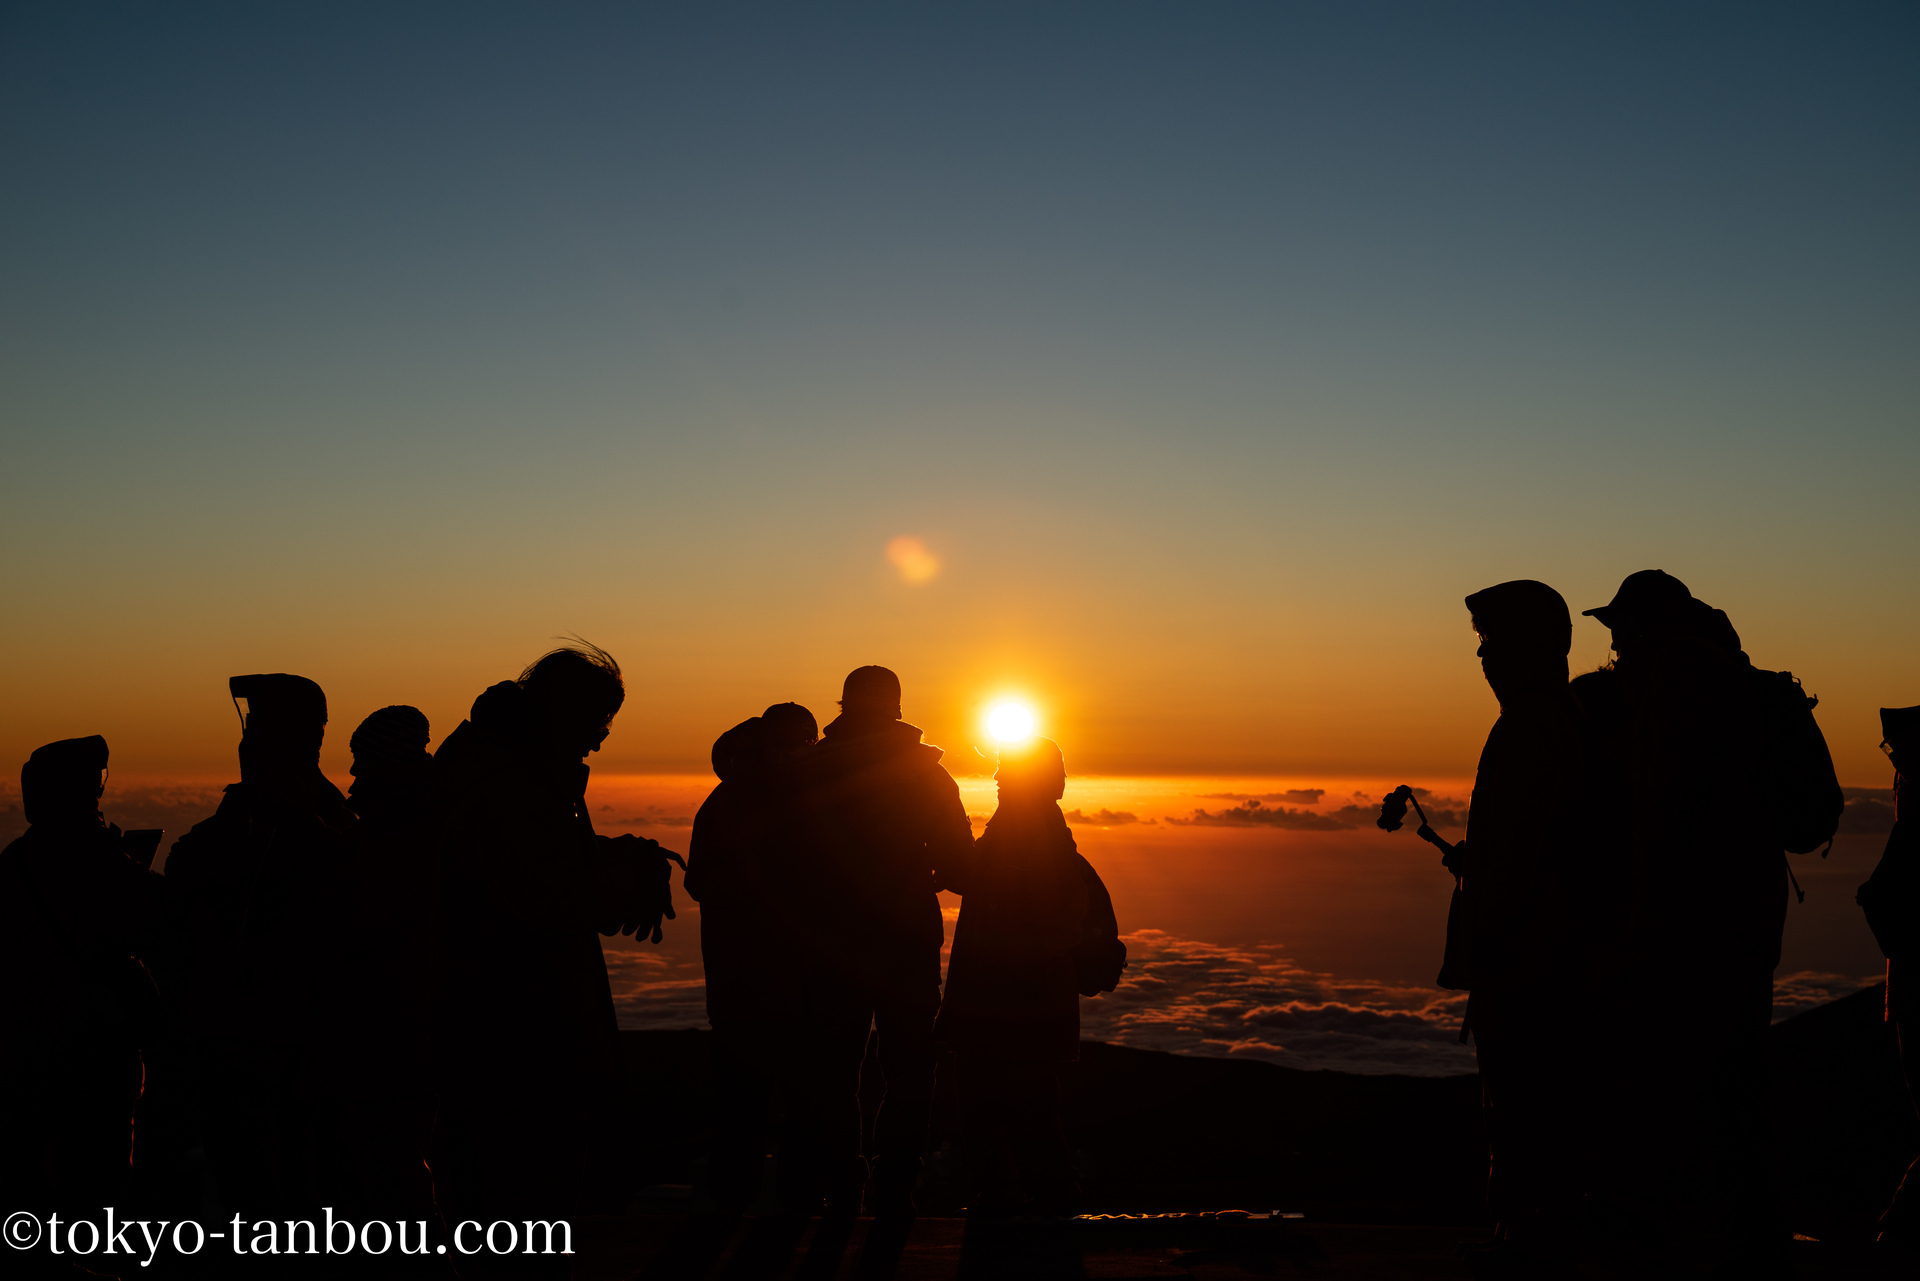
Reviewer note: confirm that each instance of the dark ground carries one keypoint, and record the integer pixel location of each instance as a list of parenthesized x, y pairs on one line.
[(1161, 1132), (1386, 1172)]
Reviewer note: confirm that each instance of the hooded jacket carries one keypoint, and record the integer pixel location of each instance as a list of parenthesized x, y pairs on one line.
[(75, 913), (372, 1037), (526, 886), (1524, 830), (1011, 984), (1524, 838), (743, 867), (244, 882), (885, 822)]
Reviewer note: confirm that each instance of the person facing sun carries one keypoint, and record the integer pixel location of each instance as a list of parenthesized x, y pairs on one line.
[(1012, 1008), (884, 823)]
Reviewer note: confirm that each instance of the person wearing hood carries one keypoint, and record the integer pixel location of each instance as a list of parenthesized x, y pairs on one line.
[(886, 823), (1011, 1012), (77, 914), (1526, 955), (246, 880), (743, 868), (528, 1051), (371, 1043), (1891, 900), (1709, 902)]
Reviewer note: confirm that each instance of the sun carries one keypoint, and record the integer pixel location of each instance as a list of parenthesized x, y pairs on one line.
[(1010, 722)]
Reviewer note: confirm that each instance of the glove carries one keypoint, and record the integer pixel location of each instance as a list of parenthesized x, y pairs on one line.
[(648, 885)]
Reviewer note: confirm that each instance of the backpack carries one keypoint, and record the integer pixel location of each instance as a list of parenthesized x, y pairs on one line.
[(1099, 956), (1803, 792)]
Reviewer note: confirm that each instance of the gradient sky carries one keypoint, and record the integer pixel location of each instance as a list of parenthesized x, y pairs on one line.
[(1216, 351)]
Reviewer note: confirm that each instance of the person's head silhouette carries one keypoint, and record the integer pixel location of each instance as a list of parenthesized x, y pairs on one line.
[(391, 744), (757, 746), (1649, 605), (788, 728), (871, 694), (575, 692), (280, 731), (1031, 772), (61, 783), (1525, 632), (1653, 607)]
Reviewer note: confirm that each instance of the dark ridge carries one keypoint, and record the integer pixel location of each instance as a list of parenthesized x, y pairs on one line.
[(1843, 1126), (1157, 1131)]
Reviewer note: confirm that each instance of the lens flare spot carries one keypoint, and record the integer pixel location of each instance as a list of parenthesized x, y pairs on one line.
[(911, 559), (1010, 722)]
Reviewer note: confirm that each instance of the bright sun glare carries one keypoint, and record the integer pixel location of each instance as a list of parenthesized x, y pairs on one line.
[(1010, 722)]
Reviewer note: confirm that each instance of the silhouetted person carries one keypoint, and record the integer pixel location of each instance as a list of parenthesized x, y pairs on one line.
[(1011, 1012), (246, 880), (1891, 898), (76, 913), (528, 1051), (1709, 903), (745, 869), (1526, 955), (887, 821), (371, 1039)]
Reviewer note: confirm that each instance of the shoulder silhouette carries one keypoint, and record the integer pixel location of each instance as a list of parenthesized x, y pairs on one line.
[(78, 912)]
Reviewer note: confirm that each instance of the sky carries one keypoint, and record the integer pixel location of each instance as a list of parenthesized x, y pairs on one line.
[(1209, 355)]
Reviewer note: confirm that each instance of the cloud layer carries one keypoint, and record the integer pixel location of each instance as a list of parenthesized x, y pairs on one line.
[(1191, 997), (651, 992), (1869, 810), (649, 816), (1103, 818), (173, 807), (1360, 811)]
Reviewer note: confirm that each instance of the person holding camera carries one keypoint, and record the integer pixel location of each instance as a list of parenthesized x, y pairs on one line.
[(528, 1048), (1524, 958), (885, 823)]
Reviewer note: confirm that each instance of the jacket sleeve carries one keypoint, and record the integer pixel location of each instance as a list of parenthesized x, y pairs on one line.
[(1521, 794), (1072, 900), (949, 836), (705, 847), (1891, 896), (553, 871)]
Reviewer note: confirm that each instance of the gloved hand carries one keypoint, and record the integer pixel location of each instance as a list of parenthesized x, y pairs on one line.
[(649, 883)]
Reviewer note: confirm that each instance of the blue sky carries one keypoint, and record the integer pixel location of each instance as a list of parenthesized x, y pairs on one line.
[(1219, 351)]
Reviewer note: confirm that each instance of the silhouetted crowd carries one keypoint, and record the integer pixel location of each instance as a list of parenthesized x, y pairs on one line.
[(394, 1002), (1619, 905)]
